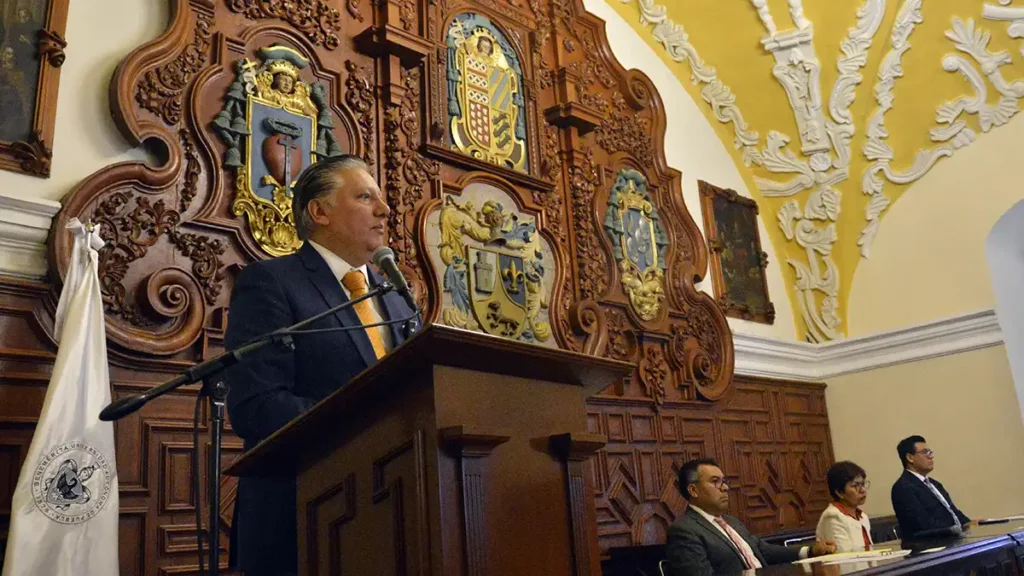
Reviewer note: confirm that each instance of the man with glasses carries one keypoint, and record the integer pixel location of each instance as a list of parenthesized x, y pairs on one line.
[(922, 505), (704, 541)]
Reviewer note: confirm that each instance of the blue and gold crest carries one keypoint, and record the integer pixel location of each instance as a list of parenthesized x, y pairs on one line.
[(638, 242), (493, 271), (274, 125), (485, 94)]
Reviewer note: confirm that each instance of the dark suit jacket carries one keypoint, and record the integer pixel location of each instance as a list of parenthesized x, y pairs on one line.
[(918, 509), (272, 387), (696, 547)]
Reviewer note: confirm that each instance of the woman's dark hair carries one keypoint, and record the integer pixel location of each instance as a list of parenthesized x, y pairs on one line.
[(839, 474)]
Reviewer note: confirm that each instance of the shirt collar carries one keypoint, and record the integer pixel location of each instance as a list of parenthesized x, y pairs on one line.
[(339, 267), (700, 511), (855, 513), (919, 476)]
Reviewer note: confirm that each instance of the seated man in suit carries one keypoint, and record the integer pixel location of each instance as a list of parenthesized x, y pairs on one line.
[(922, 504), (342, 215), (704, 542)]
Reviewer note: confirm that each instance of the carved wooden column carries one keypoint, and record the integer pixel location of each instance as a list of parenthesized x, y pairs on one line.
[(574, 450), (473, 445)]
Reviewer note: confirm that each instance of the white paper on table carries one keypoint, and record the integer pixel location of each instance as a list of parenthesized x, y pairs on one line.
[(865, 558), (1007, 519), (856, 556)]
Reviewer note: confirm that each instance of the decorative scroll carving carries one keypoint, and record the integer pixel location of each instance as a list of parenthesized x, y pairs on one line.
[(206, 265), (408, 173), (161, 90), (625, 130), (592, 261), (314, 18), (653, 372), (128, 232), (51, 47), (622, 343), (353, 9), (189, 188), (33, 156), (361, 98)]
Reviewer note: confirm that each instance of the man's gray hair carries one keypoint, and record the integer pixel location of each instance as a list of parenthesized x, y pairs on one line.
[(317, 181)]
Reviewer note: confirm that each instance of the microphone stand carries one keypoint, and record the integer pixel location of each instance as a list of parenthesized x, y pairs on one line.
[(215, 390)]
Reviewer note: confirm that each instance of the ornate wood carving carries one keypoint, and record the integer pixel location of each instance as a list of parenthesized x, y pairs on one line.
[(314, 18), (160, 90), (174, 246), (734, 248), (32, 154)]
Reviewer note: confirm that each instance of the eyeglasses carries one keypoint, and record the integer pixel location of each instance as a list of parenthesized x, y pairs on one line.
[(719, 483), (926, 452), (861, 485)]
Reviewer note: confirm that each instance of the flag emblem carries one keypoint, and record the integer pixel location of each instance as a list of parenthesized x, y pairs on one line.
[(72, 483)]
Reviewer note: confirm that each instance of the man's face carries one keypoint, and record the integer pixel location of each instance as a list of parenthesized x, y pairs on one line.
[(7, 58), (710, 493), (923, 459), (485, 46), (353, 225), (23, 15)]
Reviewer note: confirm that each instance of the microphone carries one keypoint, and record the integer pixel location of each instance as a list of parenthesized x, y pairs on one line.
[(384, 258)]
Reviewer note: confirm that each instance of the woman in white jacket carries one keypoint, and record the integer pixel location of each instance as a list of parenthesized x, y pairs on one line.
[(843, 522)]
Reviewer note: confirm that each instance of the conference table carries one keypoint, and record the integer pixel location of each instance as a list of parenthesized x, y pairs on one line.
[(986, 549)]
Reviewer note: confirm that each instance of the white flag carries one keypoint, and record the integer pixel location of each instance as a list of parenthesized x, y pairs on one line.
[(65, 506)]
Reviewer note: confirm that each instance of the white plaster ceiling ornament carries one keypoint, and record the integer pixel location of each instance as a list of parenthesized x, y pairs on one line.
[(953, 133), (1015, 16)]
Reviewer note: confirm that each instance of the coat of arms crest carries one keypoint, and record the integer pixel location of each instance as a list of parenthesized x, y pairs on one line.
[(485, 101), (638, 243), (274, 125), (493, 271)]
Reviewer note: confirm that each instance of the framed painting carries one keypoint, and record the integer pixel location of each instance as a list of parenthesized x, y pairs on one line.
[(31, 54), (737, 262)]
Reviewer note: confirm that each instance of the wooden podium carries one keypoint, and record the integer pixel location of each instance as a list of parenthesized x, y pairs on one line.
[(457, 454)]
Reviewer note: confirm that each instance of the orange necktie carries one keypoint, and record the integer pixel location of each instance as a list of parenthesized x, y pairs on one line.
[(355, 282)]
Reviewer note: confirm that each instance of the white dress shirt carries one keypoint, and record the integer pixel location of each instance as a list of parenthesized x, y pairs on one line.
[(339, 267), (938, 494), (804, 551)]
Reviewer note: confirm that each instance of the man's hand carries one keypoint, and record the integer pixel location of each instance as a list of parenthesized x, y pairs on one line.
[(822, 547)]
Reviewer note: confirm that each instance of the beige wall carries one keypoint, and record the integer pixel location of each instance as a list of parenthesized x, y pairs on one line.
[(693, 148), (965, 405), (928, 261), (100, 34)]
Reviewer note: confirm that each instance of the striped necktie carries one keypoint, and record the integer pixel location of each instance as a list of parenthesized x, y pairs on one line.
[(942, 499), (751, 562)]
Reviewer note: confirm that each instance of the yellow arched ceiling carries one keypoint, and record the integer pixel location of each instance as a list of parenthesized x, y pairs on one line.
[(883, 90)]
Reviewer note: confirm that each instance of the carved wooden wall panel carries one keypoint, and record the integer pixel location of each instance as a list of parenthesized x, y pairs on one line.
[(587, 168), (771, 439)]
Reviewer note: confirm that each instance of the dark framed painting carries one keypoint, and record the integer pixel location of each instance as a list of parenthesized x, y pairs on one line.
[(737, 262), (31, 54)]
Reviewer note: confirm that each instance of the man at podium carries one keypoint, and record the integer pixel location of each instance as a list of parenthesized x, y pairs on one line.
[(341, 215)]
